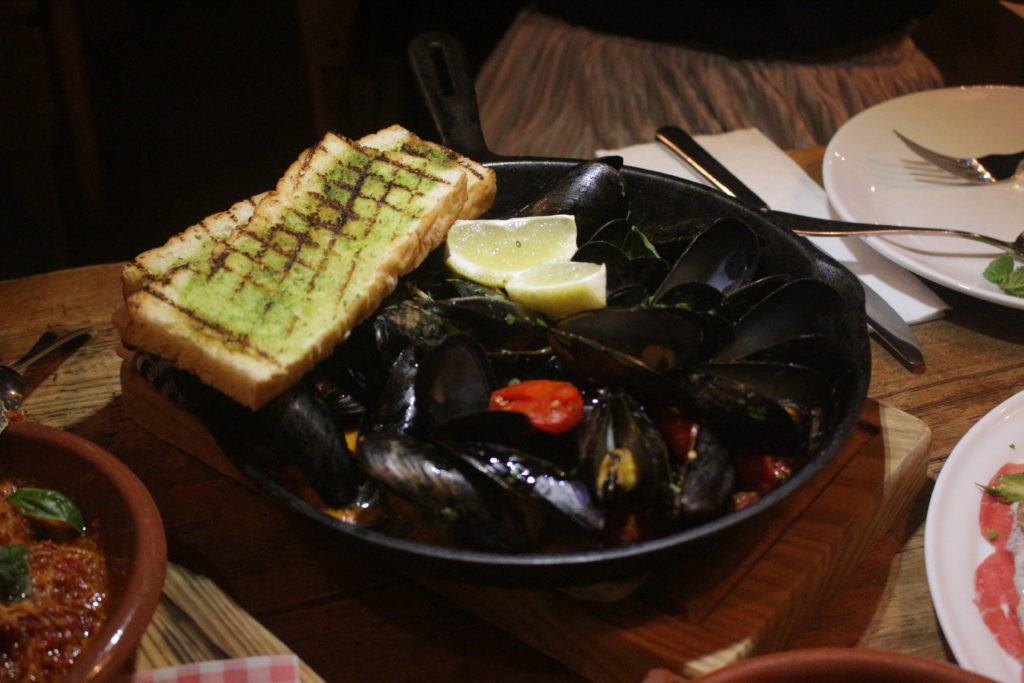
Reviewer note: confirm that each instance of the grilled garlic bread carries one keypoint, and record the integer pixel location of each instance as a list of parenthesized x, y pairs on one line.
[(197, 241), (316, 256), (194, 244), (480, 182)]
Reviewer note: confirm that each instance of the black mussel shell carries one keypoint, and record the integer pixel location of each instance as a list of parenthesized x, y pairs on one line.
[(666, 339), (704, 483), (498, 323), (343, 404), (535, 480), (397, 410), (724, 256), (807, 396), (622, 454), (743, 418), (358, 365), (821, 353), (510, 429), (510, 366), (800, 308), (614, 231), (300, 427), (297, 428), (749, 295), (454, 379), (672, 237), (696, 296), (408, 322), (593, 363), (789, 382), (592, 191), (426, 475), (627, 295), (616, 263)]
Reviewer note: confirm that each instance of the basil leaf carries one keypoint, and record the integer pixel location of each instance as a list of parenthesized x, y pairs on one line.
[(15, 580), (47, 505)]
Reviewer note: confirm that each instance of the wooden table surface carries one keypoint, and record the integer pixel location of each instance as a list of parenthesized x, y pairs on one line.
[(350, 618)]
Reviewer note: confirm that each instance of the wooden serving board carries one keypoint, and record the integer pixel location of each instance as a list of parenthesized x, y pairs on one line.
[(746, 594)]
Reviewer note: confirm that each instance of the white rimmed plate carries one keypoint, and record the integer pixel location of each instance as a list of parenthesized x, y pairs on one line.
[(953, 544), (870, 176)]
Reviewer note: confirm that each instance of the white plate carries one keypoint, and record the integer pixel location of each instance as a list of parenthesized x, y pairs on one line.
[(870, 176), (954, 546)]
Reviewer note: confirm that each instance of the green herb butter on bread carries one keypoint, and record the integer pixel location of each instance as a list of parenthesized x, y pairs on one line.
[(252, 298)]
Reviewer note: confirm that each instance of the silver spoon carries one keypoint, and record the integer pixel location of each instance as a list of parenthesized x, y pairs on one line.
[(12, 384)]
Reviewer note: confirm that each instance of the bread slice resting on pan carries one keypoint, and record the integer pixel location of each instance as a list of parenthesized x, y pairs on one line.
[(252, 298)]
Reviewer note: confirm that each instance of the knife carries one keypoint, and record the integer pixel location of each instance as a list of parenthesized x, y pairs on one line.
[(891, 330)]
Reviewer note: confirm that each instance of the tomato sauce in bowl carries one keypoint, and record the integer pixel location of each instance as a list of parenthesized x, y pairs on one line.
[(42, 633)]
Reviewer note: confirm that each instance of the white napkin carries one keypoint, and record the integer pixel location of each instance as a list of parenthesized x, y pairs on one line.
[(769, 172)]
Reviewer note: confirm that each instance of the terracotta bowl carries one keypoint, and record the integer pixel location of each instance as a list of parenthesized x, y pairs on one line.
[(113, 499), (841, 665)]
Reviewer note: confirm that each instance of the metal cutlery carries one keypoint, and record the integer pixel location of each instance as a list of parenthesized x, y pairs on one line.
[(990, 168), (808, 225), (883, 321), (12, 383)]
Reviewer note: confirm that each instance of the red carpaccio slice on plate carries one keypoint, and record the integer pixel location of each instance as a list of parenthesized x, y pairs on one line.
[(994, 591)]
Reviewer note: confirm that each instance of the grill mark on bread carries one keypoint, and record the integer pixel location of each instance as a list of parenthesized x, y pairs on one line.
[(348, 216), (448, 155), (327, 200), (239, 338)]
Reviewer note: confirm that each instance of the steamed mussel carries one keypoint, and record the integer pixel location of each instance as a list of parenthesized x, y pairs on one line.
[(704, 383)]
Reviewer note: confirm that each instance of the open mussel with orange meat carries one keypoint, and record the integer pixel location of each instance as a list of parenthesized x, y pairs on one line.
[(727, 368)]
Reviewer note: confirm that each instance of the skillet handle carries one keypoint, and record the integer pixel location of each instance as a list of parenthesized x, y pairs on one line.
[(441, 68)]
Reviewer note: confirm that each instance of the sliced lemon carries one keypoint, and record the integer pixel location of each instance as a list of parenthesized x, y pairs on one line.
[(558, 289), (492, 252)]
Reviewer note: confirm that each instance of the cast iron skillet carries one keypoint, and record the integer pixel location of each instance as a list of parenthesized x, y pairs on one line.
[(440, 66)]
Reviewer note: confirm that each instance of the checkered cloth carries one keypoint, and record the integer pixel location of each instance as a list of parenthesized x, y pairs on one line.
[(272, 669)]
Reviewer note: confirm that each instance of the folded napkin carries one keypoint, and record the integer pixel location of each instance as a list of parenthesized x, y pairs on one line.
[(269, 669), (769, 172)]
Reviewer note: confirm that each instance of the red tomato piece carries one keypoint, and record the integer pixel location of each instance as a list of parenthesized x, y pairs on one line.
[(761, 473), (552, 406), (679, 432), (744, 499)]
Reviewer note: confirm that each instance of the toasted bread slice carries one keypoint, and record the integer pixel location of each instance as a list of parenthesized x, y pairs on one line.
[(197, 241), (481, 184), (316, 257)]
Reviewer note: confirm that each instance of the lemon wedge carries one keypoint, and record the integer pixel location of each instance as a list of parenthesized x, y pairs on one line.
[(558, 289), (492, 252)]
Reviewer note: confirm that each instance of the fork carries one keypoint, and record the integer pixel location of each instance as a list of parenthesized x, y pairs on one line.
[(990, 168)]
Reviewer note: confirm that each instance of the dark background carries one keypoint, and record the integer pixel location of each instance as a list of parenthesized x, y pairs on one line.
[(121, 123)]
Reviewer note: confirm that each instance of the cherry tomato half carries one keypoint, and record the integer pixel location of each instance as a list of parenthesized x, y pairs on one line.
[(680, 433), (552, 406), (762, 472)]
